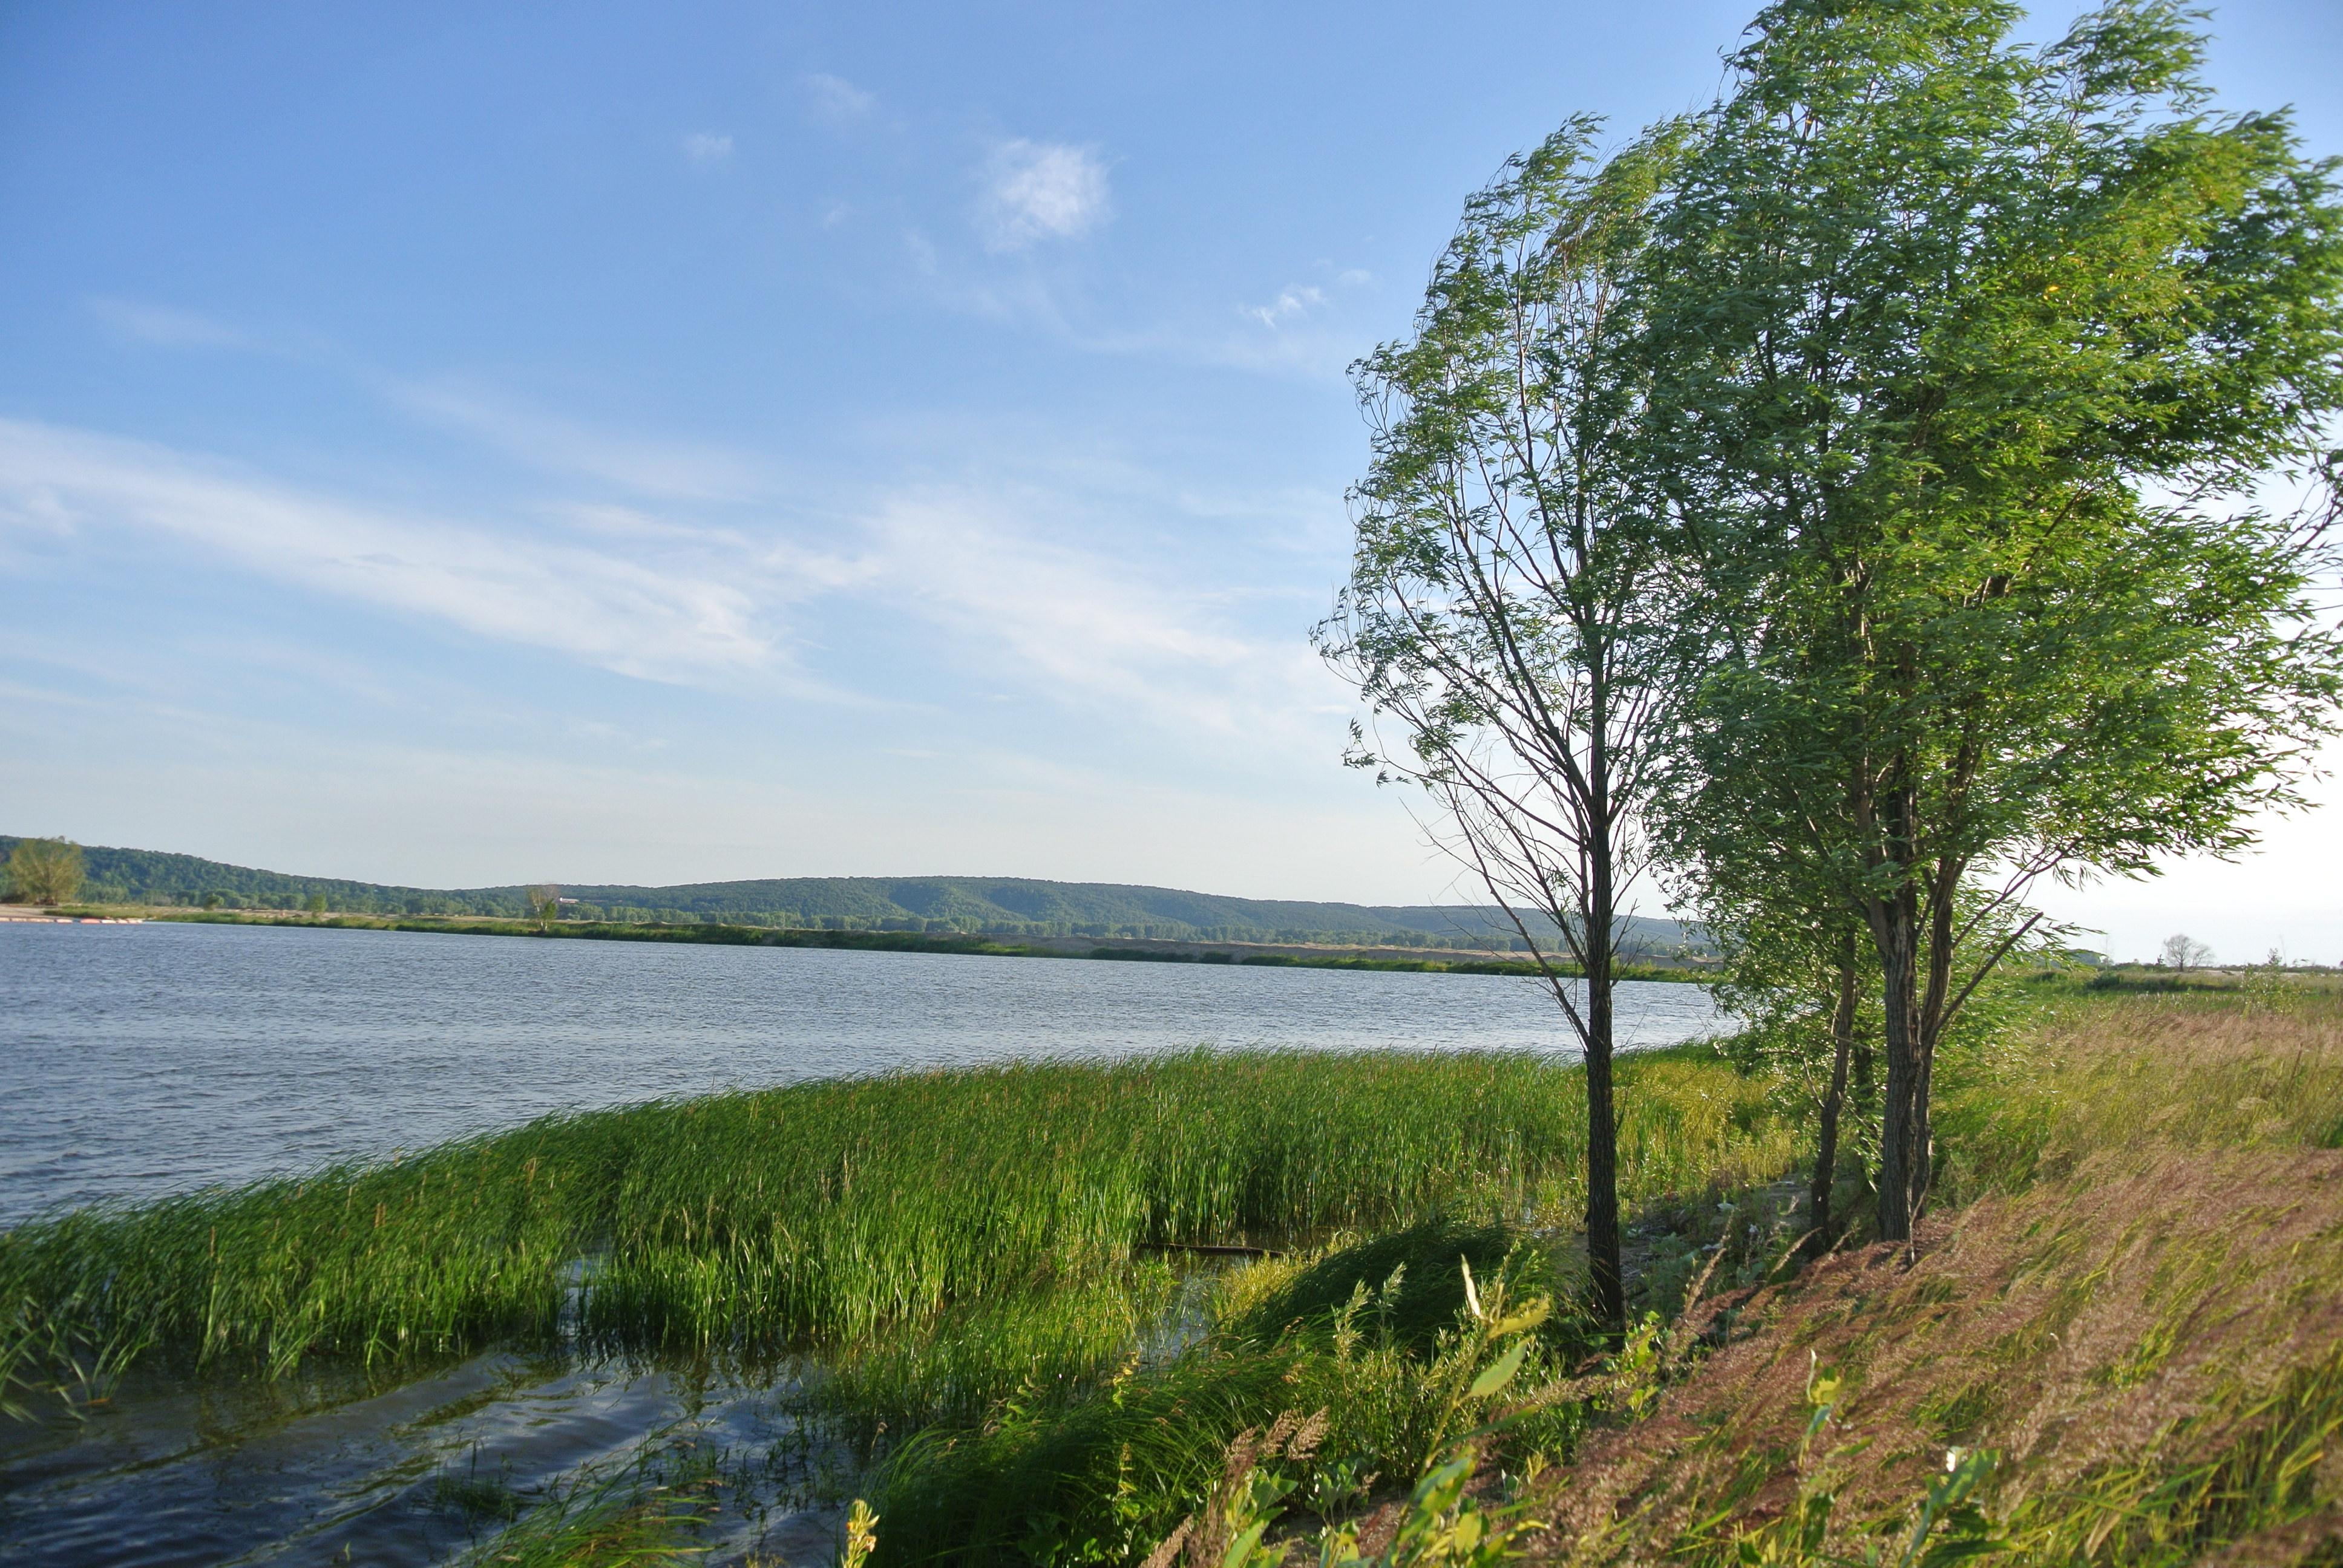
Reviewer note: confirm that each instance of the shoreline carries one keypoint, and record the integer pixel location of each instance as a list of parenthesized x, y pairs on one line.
[(1271, 954)]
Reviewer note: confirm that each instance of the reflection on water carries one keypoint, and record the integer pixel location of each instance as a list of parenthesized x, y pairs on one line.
[(331, 1468)]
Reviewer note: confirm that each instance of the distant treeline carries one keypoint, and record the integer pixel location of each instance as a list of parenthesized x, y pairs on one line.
[(987, 906), (736, 934)]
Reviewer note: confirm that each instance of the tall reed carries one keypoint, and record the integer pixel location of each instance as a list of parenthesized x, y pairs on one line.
[(825, 1211)]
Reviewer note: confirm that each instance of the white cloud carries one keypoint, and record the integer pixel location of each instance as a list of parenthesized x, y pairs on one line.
[(163, 325), (835, 101), (1031, 578), (1041, 190), (1105, 632), (657, 620), (677, 469), (706, 147), (1294, 301)]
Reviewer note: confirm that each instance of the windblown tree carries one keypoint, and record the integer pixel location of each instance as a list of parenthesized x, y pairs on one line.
[(1971, 358), (1502, 609), (1795, 970)]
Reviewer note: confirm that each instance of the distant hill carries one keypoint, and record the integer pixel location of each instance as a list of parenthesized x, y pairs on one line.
[(1008, 906)]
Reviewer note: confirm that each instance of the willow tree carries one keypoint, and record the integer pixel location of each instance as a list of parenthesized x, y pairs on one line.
[(1500, 617), (1972, 356)]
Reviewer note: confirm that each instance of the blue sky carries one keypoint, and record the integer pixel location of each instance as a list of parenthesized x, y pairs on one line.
[(456, 444)]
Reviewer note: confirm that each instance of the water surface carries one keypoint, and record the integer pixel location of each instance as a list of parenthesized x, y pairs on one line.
[(137, 1060)]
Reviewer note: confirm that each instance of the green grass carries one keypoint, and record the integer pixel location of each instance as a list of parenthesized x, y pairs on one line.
[(1375, 1337), (1035, 1348), (2125, 1316), (2127, 1319), (2100, 1073), (827, 1212)]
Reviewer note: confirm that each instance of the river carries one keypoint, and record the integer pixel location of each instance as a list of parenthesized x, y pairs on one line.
[(141, 1060), (137, 1060)]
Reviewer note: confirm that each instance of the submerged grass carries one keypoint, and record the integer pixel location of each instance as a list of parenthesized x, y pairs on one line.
[(653, 1508), (826, 1212)]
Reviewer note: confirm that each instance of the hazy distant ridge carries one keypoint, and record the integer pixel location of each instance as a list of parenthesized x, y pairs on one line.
[(1008, 905)]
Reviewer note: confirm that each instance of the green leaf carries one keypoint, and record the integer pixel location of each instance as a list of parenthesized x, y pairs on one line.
[(1500, 1372)]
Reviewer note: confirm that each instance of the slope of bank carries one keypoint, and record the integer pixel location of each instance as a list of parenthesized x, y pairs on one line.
[(2120, 1340)]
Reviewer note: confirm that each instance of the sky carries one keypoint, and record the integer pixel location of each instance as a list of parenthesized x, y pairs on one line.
[(452, 445)]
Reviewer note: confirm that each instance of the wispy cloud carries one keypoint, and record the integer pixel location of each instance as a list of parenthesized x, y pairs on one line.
[(1041, 190), (992, 565), (657, 620), (679, 470), (835, 101), (1291, 302), (164, 326), (706, 147), (1040, 579)]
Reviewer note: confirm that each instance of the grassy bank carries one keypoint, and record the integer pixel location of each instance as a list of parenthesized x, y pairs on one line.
[(2118, 1341), (2122, 1321), (1143, 951), (826, 1211)]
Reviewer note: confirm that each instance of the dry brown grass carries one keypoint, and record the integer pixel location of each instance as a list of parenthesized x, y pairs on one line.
[(2146, 1073), (2144, 1317)]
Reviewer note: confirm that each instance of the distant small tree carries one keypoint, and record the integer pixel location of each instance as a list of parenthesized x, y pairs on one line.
[(317, 903), (45, 870), (2185, 952), (544, 902)]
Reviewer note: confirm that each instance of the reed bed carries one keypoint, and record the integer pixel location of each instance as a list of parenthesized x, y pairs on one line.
[(826, 1212)]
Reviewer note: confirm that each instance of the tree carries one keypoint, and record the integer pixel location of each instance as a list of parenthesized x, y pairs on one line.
[(1503, 606), (1969, 356), (2185, 952), (544, 900), (45, 871), (1793, 972)]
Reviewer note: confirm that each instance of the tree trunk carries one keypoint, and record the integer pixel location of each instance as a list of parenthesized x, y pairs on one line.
[(1932, 1003), (1600, 862), (1818, 1193), (1602, 1145), (1897, 932)]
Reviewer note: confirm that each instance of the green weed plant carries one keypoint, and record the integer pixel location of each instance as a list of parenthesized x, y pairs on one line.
[(829, 1213)]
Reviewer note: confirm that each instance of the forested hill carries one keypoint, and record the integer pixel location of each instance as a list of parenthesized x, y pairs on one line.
[(1007, 905)]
